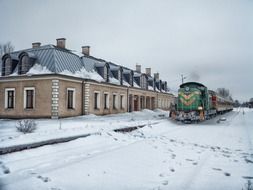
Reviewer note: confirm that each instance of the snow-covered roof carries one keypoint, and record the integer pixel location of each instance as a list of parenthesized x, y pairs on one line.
[(137, 74), (52, 59)]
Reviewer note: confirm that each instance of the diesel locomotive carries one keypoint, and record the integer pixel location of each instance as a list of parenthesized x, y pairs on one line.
[(196, 103)]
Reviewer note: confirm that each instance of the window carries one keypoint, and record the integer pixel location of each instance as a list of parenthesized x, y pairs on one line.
[(96, 100), (71, 98), (24, 64), (106, 101), (9, 98), (29, 98), (121, 101), (7, 66), (114, 101)]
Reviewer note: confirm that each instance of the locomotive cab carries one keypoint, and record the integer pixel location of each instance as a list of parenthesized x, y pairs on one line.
[(191, 102)]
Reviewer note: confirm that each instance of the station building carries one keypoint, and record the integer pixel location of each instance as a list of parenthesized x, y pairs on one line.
[(51, 81)]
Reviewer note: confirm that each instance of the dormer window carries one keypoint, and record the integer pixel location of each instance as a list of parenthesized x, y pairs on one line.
[(26, 61), (9, 64), (24, 64)]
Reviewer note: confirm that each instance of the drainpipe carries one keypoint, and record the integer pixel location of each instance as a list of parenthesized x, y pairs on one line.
[(157, 100), (82, 94), (127, 99)]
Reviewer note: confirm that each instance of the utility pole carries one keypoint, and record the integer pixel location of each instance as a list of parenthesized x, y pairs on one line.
[(182, 77)]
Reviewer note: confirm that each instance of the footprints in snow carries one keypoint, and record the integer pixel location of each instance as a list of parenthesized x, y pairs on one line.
[(193, 162), (220, 170), (166, 182), (217, 169), (4, 168), (44, 179)]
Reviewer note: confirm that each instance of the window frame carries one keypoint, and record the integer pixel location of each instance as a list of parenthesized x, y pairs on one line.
[(25, 64), (25, 97), (96, 100), (73, 98), (122, 98), (114, 101), (6, 99), (106, 100)]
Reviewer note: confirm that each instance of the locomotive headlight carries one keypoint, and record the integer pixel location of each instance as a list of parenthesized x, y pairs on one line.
[(200, 108)]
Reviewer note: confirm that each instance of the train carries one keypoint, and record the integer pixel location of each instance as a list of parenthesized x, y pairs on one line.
[(196, 103)]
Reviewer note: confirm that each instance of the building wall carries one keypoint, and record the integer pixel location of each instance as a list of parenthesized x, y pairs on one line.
[(111, 90), (51, 97), (63, 108), (165, 101), (42, 99)]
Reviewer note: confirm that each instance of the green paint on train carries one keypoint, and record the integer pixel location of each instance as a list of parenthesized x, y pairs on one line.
[(193, 96)]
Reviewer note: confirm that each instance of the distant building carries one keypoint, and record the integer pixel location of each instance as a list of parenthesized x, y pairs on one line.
[(51, 81)]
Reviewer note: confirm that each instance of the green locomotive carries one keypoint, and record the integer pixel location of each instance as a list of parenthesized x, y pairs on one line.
[(196, 103)]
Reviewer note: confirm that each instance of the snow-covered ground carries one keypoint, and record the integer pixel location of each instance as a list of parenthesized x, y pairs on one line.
[(162, 155), (49, 129)]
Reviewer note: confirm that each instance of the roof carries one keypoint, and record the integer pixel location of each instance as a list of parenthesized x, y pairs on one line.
[(52, 59), (192, 84)]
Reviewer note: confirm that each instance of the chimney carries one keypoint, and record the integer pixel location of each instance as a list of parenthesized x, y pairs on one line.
[(61, 42), (36, 44), (138, 68), (86, 50), (156, 76), (148, 71)]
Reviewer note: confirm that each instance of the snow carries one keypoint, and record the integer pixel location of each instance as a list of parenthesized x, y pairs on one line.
[(136, 85), (114, 80), (126, 83), (150, 87), (51, 129), (163, 155), (38, 69), (83, 73), (14, 73)]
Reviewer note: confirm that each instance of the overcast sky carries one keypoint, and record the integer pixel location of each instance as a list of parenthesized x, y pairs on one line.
[(206, 40)]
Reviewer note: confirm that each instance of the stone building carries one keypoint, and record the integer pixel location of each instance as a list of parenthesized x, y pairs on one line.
[(51, 81)]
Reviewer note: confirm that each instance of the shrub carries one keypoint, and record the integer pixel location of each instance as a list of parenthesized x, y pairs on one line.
[(26, 126)]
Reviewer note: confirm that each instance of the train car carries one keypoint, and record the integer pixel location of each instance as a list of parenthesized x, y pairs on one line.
[(196, 103), (221, 104)]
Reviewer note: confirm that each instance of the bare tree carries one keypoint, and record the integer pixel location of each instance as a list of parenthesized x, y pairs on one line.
[(236, 103), (6, 48), (223, 92)]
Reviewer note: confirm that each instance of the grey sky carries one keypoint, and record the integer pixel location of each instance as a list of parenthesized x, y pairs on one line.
[(208, 41)]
